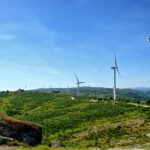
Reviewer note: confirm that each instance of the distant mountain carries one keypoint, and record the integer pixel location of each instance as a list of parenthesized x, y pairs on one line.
[(143, 89), (100, 92)]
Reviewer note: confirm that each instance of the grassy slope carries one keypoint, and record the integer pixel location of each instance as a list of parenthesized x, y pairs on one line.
[(80, 122)]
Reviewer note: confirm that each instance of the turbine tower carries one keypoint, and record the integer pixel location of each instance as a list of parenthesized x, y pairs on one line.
[(115, 70), (78, 85), (25, 87)]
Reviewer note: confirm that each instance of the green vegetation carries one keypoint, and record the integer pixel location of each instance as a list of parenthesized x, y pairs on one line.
[(81, 122)]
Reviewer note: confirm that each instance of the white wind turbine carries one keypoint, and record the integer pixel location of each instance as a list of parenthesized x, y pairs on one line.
[(78, 85), (115, 70)]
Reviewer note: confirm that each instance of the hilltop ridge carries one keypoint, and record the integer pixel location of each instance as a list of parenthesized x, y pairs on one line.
[(101, 92)]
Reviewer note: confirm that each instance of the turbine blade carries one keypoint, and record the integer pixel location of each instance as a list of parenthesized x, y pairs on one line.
[(116, 65), (76, 78), (118, 72), (115, 59)]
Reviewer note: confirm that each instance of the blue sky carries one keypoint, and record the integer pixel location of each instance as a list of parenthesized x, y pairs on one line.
[(42, 42)]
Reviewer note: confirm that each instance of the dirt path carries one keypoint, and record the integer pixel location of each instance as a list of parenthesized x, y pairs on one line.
[(141, 105)]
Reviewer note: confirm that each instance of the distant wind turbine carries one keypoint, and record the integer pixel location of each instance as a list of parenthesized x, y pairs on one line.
[(67, 90), (78, 85), (148, 39), (25, 87), (115, 70)]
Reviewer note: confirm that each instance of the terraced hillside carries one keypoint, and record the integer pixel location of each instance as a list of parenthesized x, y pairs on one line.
[(81, 122)]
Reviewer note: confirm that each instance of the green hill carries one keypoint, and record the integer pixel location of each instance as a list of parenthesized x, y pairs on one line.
[(104, 93), (81, 122)]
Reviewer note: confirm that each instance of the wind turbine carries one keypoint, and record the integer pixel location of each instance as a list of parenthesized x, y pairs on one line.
[(148, 39), (67, 90), (78, 84), (25, 87), (115, 70)]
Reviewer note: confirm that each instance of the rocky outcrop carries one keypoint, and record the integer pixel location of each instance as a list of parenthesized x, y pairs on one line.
[(21, 131), (5, 140)]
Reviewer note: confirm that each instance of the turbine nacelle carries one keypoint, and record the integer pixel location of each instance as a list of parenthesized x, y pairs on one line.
[(78, 83), (114, 68)]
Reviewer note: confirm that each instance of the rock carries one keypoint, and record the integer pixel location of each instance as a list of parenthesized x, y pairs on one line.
[(148, 135), (132, 138), (21, 131), (4, 140), (57, 144)]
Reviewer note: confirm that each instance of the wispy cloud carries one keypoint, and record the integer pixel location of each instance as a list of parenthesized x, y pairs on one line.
[(30, 29), (6, 32), (25, 36), (34, 70), (7, 37)]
